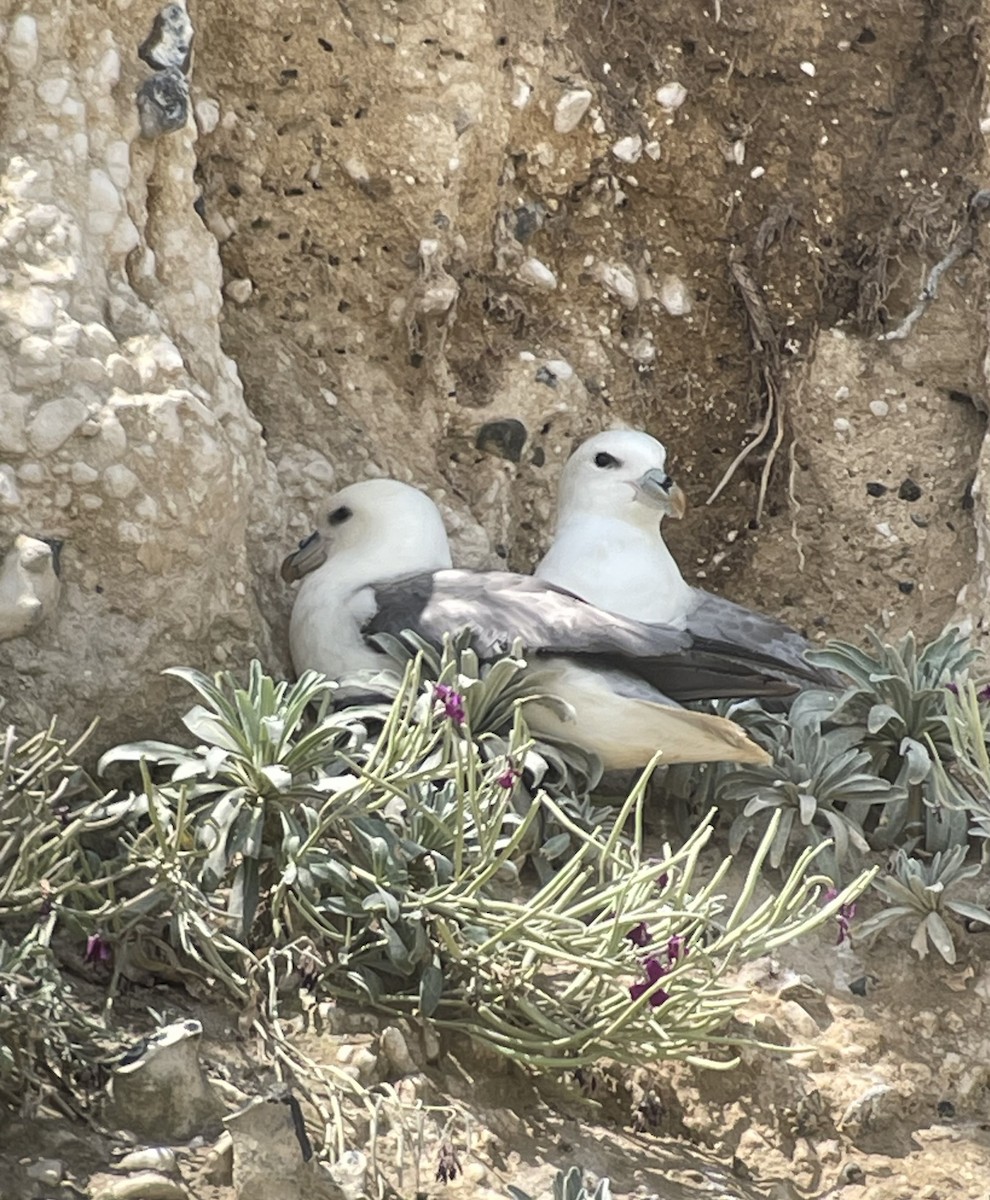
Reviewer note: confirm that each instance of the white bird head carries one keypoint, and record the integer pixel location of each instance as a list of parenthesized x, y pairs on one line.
[(380, 527), (620, 473)]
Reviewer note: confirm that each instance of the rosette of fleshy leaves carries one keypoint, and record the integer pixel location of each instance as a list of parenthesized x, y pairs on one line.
[(928, 894), (896, 709), (822, 783)]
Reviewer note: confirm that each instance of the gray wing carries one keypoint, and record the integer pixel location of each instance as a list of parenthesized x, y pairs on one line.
[(499, 607), (729, 627)]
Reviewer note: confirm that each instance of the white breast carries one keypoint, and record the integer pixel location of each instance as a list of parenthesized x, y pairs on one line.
[(618, 567), (325, 629)]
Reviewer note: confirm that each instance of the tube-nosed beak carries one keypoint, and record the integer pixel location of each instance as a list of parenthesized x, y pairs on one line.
[(312, 553), (656, 485)]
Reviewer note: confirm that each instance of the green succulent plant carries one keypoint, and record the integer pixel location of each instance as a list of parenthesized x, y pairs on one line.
[(896, 708), (570, 1185), (822, 786), (923, 892), (964, 783), (255, 782), (50, 1044)]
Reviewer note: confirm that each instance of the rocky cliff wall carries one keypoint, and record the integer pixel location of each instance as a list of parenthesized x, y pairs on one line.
[(443, 242)]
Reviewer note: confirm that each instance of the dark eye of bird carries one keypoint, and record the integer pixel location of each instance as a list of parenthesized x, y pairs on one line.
[(340, 515), (606, 460)]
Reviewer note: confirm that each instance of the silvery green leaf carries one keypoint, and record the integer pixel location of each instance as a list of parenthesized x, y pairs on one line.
[(919, 943), (917, 761), (941, 938), (398, 952), (430, 989), (278, 777), (807, 806), (365, 980), (881, 715), (273, 728), (972, 912), (208, 727), (214, 758), (163, 753), (555, 846), (882, 919), (248, 831)]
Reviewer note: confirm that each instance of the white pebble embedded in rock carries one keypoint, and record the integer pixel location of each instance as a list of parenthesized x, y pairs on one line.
[(238, 290), (154, 1158), (675, 296), (618, 279), (879, 408), (53, 91), (537, 274), (628, 149), (104, 202), (672, 95), (560, 367), (145, 1185), (207, 114), (55, 422), (22, 44), (119, 481), (571, 107)]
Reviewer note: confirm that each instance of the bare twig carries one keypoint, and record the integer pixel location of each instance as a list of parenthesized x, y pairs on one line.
[(764, 338), (793, 501)]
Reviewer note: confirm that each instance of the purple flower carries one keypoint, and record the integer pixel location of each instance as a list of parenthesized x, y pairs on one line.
[(677, 947), (844, 916), (97, 950), (448, 1165), (983, 695), (654, 967), (953, 688), (639, 935), (655, 971), (508, 777), (452, 701)]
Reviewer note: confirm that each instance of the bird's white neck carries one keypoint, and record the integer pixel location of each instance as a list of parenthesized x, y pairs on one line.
[(620, 567), (325, 626)]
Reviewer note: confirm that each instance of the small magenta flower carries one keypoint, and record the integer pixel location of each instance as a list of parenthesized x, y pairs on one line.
[(655, 971), (844, 916), (655, 968), (448, 1165), (98, 950), (639, 935), (953, 688), (677, 947), (983, 695), (452, 701), (508, 777)]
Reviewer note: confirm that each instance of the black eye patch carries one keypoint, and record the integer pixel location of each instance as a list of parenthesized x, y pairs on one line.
[(340, 515), (606, 460)]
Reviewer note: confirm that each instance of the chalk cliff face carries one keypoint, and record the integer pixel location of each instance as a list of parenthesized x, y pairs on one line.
[(442, 242)]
